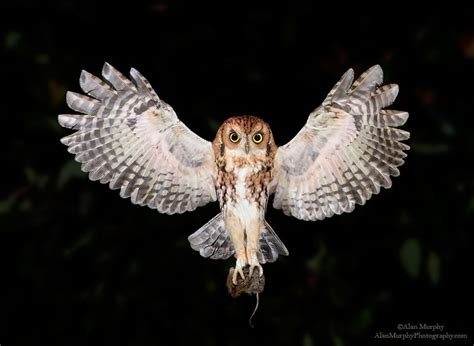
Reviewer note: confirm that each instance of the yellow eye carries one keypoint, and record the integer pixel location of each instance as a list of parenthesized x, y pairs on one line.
[(234, 137), (257, 137)]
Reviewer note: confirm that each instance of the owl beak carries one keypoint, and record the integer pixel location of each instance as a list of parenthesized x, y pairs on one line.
[(247, 147)]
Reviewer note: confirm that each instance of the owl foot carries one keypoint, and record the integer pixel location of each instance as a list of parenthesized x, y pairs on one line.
[(254, 263), (239, 266)]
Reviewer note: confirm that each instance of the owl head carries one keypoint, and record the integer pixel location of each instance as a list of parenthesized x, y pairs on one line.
[(244, 136)]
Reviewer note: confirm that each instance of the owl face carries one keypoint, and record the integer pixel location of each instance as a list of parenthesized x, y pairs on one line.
[(244, 136)]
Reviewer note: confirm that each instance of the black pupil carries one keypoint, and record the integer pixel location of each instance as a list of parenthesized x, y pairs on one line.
[(234, 137), (258, 137)]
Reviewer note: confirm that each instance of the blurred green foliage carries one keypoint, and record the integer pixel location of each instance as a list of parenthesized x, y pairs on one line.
[(410, 256), (82, 265)]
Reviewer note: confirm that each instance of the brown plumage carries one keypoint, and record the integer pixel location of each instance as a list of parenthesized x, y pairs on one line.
[(348, 149), (226, 178)]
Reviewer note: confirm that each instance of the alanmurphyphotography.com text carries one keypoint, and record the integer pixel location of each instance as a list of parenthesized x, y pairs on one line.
[(420, 331)]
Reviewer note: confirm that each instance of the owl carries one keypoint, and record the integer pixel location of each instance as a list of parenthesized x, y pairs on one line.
[(129, 138)]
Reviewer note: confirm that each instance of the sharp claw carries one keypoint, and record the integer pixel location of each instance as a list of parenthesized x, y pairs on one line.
[(237, 271), (241, 272), (260, 269), (234, 277), (239, 265), (254, 263)]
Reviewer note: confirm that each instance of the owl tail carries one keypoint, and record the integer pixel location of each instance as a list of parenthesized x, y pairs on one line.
[(213, 241)]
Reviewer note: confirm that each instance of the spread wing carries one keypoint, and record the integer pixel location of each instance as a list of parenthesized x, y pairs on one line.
[(346, 151), (127, 137)]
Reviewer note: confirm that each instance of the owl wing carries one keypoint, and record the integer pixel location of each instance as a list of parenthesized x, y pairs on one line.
[(127, 137), (347, 150)]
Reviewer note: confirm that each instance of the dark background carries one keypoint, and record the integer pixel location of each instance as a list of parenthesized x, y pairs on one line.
[(80, 265)]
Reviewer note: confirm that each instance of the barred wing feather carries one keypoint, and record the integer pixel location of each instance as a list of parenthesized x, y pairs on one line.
[(127, 137), (347, 150)]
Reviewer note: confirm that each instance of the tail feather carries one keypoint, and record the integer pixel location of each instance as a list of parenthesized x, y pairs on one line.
[(270, 245), (213, 241)]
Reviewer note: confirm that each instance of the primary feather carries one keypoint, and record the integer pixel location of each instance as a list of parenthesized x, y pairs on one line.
[(347, 150), (127, 137)]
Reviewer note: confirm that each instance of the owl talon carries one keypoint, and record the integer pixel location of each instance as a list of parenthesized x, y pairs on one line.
[(254, 263), (239, 266), (236, 273), (258, 266)]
